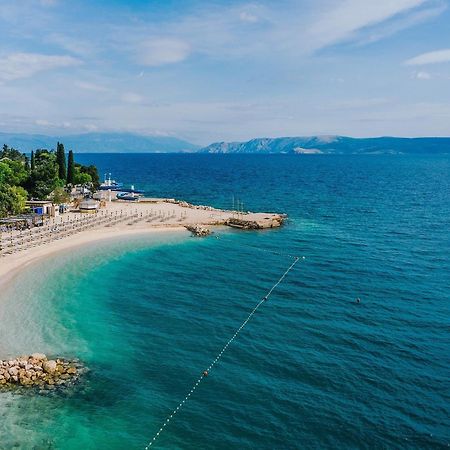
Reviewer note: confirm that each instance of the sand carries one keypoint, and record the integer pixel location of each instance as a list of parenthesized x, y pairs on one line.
[(137, 218)]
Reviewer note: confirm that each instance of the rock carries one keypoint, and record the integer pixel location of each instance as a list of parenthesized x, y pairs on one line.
[(198, 230), (37, 371), (49, 366), (13, 371)]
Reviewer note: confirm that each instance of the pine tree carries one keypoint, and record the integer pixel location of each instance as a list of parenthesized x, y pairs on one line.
[(70, 168), (33, 166), (61, 160)]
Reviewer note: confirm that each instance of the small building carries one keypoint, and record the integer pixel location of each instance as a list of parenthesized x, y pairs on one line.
[(89, 205), (41, 207)]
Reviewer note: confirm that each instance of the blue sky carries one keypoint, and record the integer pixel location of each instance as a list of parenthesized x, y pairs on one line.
[(226, 70)]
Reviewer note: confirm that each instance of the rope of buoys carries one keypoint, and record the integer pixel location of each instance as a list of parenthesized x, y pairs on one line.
[(206, 372)]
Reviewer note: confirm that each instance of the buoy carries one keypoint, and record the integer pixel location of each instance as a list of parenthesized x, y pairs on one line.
[(205, 373)]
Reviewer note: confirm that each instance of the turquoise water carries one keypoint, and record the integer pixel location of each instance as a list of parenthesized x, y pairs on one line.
[(311, 370)]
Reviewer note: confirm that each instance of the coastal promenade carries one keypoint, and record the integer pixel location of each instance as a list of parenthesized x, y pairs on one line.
[(116, 219)]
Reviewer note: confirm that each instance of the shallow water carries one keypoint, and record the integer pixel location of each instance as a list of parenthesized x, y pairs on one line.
[(311, 370)]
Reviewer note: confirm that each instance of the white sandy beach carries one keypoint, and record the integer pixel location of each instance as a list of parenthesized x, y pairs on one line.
[(143, 218)]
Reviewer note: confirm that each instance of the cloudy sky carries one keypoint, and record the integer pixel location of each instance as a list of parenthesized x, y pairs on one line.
[(226, 70)]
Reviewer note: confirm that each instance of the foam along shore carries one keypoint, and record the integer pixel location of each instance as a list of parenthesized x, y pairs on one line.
[(117, 219)]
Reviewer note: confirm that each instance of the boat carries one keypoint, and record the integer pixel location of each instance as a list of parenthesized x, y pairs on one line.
[(113, 185), (132, 196), (110, 185)]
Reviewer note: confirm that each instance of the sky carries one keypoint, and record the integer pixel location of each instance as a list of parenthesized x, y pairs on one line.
[(207, 71)]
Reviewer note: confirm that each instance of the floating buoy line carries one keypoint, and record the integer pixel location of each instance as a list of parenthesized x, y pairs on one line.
[(206, 372)]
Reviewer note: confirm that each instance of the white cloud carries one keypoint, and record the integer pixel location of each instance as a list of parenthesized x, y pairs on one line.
[(91, 86), (90, 127), (43, 123), (437, 56), (76, 45), (246, 16), (401, 23), (422, 75), (356, 103), (24, 65), (162, 51), (132, 97), (341, 22)]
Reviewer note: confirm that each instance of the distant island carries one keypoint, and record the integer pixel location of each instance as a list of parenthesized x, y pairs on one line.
[(334, 145), (100, 142), (138, 143)]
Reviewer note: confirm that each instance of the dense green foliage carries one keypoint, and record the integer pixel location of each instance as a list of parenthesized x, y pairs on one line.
[(86, 175), (13, 174), (43, 176), (12, 199)]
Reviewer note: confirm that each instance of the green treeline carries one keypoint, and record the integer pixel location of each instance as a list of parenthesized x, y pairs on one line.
[(45, 175)]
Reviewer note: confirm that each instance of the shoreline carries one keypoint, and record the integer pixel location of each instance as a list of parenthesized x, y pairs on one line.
[(13, 264), (116, 220)]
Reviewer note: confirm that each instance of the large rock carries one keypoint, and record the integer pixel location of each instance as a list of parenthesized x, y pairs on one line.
[(13, 370), (39, 356), (49, 366)]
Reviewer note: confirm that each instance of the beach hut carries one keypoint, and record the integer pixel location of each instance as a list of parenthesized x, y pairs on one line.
[(89, 205), (41, 207)]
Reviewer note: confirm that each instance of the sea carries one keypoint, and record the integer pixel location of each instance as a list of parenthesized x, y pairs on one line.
[(312, 369)]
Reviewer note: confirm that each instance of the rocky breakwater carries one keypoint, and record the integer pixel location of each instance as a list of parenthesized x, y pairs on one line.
[(198, 230), (256, 221), (37, 370)]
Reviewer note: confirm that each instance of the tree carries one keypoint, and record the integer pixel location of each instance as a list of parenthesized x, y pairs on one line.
[(13, 172), (44, 178), (81, 177), (12, 199), (61, 160), (59, 195), (70, 169), (11, 153), (93, 172), (32, 161)]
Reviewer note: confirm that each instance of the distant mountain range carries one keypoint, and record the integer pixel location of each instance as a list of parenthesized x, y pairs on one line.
[(99, 143), (137, 143), (333, 145)]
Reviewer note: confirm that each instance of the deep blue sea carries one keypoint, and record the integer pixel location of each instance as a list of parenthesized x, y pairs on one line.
[(311, 370)]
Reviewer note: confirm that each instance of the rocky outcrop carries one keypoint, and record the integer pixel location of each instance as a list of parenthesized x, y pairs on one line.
[(37, 370), (198, 230), (267, 222)]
